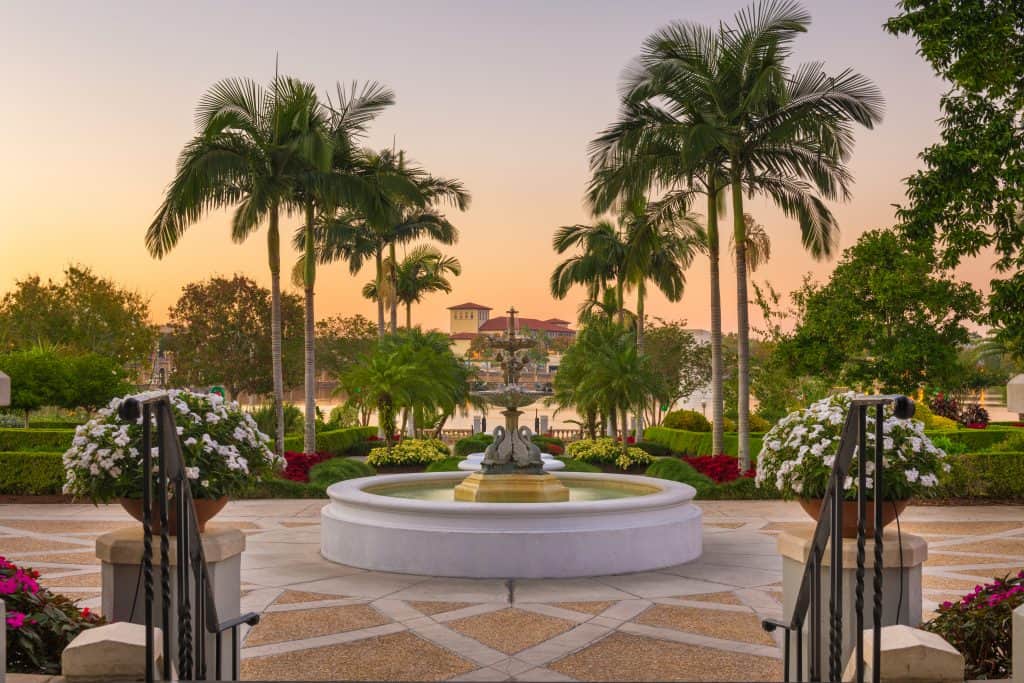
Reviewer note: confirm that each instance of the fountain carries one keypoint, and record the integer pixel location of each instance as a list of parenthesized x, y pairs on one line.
[(511, 470), (512, 517)]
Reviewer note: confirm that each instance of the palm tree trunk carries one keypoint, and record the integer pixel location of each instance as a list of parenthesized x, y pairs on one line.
[(641, 291), (625, 428), (408, 315), (742, 327), (380, 300), (394, 288), (274, 255), (717, 432), (612, 424), (309, 435), (619, 301)]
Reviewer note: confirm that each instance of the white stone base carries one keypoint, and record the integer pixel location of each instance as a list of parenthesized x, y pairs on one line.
[(473, 460), (510, 540)]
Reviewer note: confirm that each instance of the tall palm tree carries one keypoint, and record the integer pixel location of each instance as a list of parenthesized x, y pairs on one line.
[(424, 270), (600, 265), (249, 149)]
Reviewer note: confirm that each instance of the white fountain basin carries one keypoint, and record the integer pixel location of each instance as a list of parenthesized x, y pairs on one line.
[(473, 460), (618, 535)]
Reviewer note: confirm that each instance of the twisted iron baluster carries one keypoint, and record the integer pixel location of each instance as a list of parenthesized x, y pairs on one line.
[(835, 602), (876, 645), (165, 549), (862, 484), (147, 535), (184, 602)]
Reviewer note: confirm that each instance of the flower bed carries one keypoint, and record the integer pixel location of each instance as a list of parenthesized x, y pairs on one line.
[(40, 623), (410, 452), (299, 464), (978, 626), (608, 451), (719, 468)]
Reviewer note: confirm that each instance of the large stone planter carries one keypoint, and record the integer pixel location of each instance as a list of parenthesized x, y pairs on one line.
[(890, 511), (206, 509)]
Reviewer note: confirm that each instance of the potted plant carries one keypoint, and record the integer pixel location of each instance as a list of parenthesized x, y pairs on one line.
[(799, 451), (223, 449)]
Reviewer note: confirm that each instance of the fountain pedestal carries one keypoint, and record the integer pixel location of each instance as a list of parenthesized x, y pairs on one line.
[(511, 488)]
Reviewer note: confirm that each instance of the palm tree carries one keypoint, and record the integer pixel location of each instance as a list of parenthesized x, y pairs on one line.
[(247, 154), (759, 243), (721, 106), (599, 267), (424, 270)]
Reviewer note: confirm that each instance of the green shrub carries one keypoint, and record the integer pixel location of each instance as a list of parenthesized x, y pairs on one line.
[(1013, 443), (343, 416), (655, 449), (985, 475), (267, 420), (578, 466), (697, 443), (744, 488), (675, 469), (608, 451), (549, 444), (728, 425), (450, 464), (278, 487), (690, 420), (473, 444), (759, 424), (331, 471), (55, 424), (31, 474), (36, 439), (408, 452), (978, 440), (343, 441)]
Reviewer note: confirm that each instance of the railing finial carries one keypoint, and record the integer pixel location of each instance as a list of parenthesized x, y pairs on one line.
[(903, 408), (130, 409)]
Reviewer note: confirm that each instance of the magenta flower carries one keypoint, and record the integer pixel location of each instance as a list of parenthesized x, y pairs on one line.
[(15, 619)]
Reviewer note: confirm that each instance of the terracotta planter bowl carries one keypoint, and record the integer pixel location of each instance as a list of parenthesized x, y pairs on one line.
[(890, 510), (206, 509)]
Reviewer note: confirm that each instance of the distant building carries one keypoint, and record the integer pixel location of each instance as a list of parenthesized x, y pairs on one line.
[(470, 320)]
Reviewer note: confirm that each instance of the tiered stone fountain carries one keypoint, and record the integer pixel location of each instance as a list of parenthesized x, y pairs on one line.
[(511, 519)]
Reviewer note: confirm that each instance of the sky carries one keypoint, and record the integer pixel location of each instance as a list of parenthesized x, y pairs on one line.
[(502, 95)]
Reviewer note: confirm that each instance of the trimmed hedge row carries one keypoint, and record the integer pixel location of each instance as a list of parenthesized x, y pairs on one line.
[(697, 443), (997, 476), (977, 440), (31, 473), (13, 439), (346, 441)]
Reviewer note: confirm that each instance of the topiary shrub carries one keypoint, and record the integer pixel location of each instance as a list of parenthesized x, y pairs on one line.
[(608, 451), (477, 443), (978, 626), (445, 465), (277, 487), (409, 452), (344, 441), (654, 448), (978, 440), (331, 471), (697, 443), (675, 469), (31, 473), (690, 420), (13, 439)]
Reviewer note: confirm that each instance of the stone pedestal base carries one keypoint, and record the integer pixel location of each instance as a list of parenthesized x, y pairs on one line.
[(511, 488), (901, 585), (123, 597)]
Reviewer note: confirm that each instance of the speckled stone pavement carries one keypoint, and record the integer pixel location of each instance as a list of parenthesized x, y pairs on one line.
[(698, 621)]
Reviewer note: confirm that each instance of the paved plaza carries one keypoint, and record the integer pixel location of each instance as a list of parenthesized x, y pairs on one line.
[(699, 621)]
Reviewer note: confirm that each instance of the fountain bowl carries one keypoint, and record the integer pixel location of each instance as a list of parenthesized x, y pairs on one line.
[(380, 523)]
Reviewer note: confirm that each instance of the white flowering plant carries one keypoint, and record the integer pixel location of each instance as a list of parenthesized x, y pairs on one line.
[(799, 451), (223, 449)]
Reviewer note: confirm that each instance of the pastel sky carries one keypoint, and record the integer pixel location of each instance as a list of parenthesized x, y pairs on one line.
[(503, 95)]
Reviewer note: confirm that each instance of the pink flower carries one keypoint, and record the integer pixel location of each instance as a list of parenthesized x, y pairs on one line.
[(947, 604), (15, 619)]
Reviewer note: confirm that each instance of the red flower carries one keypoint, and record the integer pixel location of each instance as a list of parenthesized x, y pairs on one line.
[(299, 465), (719, 468)]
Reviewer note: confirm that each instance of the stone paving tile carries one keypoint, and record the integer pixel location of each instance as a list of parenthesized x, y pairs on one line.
[(407, 658), (938, 558), (293, 597), (511, 630), (86, 557), (592, 607), (725, 525), (715, 624), (93, 580), (431, 608), (960, 528), (998, 546), (25, 544), (275, 627), (723, 598), (947, 583), (622, 657), (64, 526)]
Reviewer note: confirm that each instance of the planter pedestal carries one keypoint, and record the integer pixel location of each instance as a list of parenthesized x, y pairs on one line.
[(794, 546), (120, 554)]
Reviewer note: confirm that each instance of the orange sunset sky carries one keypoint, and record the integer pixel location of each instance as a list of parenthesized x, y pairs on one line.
[(503, 95)]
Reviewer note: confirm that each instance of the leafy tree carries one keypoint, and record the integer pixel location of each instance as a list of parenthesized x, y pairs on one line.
[(84, 313), (221, 336), (93, 380), (40, 377), (970, 193), (341, 342), (888, 314), (680, 364)]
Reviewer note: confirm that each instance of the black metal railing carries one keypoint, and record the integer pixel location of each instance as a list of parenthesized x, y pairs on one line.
[(830, 528), (193, 600)]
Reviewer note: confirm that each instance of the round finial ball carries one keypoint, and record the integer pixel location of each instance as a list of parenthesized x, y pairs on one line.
[(903, 408), (130, 410)]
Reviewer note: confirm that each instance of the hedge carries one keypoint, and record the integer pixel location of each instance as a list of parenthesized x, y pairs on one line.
[(698, 443), (346, 441), (334, 470), (31, 473), (977, 440), (278, 487), (54, 424), (997, 476), (13, 439), (472, 444)]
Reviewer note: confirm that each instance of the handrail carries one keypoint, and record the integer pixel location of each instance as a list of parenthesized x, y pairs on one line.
[(190, 555), (829, 527)]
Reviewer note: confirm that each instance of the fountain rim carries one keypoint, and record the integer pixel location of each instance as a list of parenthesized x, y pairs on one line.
[(353, 492)]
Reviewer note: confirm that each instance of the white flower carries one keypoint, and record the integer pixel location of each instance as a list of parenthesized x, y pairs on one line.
[(912, 475), (929, 480), (192, 472)]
